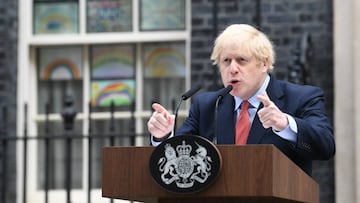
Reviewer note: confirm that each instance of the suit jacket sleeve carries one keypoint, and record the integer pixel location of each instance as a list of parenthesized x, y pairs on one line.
[(315, 135)]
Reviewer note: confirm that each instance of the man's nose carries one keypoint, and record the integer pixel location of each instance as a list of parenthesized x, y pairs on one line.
[(233, 67)]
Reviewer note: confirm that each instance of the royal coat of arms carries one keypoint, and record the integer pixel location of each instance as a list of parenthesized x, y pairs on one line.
[(184, 169), (184, 164)]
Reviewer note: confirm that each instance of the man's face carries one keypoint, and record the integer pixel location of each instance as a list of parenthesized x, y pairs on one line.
[(241, 70)]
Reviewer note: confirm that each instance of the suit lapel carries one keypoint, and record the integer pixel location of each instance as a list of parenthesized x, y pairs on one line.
[(257, 131), (226, 125)]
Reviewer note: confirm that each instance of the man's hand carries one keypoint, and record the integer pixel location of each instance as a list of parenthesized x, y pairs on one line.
[(161, 122), (270, 115)]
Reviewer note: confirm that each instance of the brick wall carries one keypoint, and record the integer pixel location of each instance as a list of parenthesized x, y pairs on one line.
[(8, 70), (285, 22)]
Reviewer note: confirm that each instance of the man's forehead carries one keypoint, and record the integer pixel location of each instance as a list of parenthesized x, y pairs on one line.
[(235, 51)]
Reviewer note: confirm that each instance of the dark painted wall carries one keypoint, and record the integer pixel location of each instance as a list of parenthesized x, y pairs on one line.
[(8, 74)]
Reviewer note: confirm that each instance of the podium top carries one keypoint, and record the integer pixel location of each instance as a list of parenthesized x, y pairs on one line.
[(249, 172)]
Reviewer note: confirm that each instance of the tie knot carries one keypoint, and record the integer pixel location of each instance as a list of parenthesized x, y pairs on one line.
[(245, 105)]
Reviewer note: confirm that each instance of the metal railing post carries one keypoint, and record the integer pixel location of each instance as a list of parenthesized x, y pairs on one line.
[(68, 115), (25, 152), (89, 155), (4, 154), (132, 125), (47, 152)]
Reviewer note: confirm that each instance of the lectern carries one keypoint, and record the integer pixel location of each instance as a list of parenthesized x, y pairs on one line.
[(249, 174)]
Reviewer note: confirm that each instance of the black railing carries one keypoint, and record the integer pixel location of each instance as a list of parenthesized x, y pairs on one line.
[(68, 137), (4, 146)]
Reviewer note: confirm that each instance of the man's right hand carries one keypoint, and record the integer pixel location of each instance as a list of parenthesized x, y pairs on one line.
[(161, 122)]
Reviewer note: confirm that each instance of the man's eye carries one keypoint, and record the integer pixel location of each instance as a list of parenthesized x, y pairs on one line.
[(241, 60), (226, 61)]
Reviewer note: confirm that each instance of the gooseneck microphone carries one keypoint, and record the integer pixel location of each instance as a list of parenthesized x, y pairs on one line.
[(184, 97), (190, 93), (221, 95)]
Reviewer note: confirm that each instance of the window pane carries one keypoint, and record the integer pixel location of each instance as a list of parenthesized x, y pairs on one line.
[(96, 158), (57, 128), (56, 151), (112, 61), (162, 15), (118, 92), (56, 17), (120, 128), (102, 129), (109, 15), (60, 75), (60, 63), (164, 72), (112, 77), (53, 93)]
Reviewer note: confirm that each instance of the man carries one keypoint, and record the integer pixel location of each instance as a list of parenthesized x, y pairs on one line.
[(290, 116)]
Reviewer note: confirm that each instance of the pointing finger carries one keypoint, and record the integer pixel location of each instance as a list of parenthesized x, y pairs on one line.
[(264, 98), (160, 109)]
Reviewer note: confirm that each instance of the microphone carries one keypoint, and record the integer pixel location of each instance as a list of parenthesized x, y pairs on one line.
[(184, 97), (221, 95), (223, 92), (190, 93)]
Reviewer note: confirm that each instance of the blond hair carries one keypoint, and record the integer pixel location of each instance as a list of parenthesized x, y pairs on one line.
[(247, 37)]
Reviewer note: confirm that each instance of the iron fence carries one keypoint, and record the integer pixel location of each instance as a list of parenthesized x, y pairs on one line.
[(68, 137)]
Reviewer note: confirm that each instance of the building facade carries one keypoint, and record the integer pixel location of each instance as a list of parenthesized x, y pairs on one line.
[(32, 90)]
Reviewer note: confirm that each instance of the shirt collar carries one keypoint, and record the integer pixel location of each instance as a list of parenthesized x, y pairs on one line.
[(254, 102)]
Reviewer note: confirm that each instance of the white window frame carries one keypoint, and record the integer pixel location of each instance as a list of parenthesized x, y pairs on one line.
[(27, 89)]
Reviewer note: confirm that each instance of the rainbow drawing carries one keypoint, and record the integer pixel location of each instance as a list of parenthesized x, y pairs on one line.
[(56, 18), (61, 69), (112, 62), (55, 23), (165, 62), (119, 92)]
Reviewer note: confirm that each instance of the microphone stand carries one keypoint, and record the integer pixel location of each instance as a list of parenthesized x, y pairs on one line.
[(184, 97), (176, 114)]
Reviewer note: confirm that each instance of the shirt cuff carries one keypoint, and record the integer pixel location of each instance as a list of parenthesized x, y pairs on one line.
[(290, 132), (155, 142)]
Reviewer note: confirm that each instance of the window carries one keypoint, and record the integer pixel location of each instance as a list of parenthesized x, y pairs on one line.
[(109, 16), (103, 54), (162, 15), (112, 73), (56, 17)]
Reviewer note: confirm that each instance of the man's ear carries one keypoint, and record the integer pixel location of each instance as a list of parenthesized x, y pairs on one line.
[(265, 64)]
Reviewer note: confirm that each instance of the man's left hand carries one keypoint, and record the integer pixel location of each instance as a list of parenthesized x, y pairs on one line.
[(270, 115)]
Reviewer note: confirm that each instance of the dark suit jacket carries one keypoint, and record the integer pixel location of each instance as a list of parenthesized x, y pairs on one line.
[(315, 139)]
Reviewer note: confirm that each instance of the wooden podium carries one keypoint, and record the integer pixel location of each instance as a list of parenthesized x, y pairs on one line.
[(249, 174)]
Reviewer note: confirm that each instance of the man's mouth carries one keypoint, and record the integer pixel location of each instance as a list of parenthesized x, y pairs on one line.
[(233, 82)]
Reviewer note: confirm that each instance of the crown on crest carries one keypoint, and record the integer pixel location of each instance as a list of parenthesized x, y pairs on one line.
[(183, 150)]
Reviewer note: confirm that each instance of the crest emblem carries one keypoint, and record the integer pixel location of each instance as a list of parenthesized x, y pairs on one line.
[(185, 164)]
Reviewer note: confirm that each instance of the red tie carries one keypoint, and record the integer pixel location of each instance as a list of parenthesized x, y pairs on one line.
[(243, 124)]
